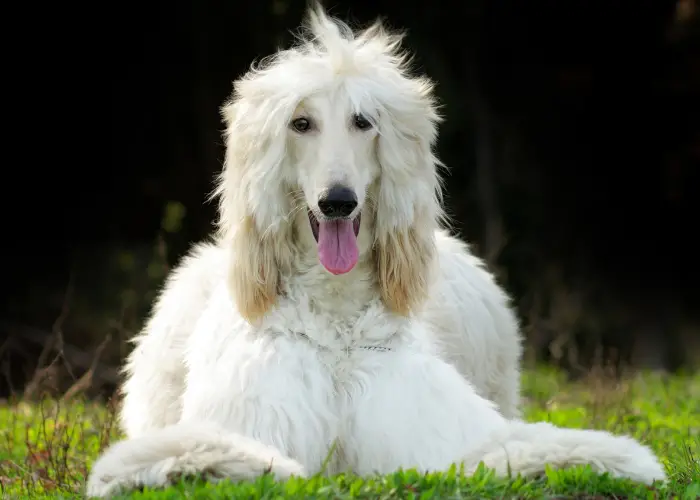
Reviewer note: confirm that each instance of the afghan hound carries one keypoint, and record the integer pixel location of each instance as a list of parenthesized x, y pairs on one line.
[(333, 311)]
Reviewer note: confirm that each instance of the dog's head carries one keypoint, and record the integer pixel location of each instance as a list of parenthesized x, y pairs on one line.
[(329, 151)]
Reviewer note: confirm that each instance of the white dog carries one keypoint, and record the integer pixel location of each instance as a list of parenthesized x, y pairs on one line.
[(332, 309)]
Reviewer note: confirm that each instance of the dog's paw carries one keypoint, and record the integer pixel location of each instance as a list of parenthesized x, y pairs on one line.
[(106, 486)]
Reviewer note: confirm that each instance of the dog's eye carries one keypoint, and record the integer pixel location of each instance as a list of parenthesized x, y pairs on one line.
[(301, 125), (361, 122)]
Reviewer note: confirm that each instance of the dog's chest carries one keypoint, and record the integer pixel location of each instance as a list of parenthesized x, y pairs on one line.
[(342, 342), (343, 361), (344, 347), (335, 329)]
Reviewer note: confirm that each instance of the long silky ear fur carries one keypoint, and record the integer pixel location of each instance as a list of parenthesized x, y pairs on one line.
[(409, 208), (252, 202), (253, 275), (404, 260)]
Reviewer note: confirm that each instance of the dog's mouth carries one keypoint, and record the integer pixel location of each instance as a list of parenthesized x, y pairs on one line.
[(337, 242), (315, 225)]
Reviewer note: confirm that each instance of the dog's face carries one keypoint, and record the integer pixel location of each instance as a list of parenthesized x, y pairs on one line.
[(332, 160), (329, 150)]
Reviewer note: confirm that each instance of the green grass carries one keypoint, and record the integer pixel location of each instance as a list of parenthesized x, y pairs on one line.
[(47, 448)]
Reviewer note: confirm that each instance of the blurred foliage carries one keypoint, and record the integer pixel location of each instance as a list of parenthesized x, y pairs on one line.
[(174, 214), (570, 134)]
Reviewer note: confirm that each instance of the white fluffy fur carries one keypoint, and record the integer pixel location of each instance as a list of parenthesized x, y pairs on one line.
[(258, 359)]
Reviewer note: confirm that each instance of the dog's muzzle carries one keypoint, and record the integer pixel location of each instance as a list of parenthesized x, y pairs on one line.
[(335, 231), (337, 202)]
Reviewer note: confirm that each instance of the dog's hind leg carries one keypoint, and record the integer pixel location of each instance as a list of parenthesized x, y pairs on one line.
[(155, 368), (154, 384)]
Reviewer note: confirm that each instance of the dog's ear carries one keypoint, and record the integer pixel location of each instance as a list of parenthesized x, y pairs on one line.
[(403, 260), (408, 209), (253, 271), (251, 199)]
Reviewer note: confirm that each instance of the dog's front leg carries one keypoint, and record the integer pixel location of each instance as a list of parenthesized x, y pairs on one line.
[(252, 404), (271, 389), (412, 410)]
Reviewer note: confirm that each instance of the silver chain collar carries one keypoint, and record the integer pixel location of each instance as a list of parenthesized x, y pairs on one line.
[(348, 349)]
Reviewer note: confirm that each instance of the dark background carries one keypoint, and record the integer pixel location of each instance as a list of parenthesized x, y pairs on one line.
[(571, 131)]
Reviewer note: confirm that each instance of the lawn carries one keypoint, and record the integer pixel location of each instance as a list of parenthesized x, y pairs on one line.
[(46, 448)]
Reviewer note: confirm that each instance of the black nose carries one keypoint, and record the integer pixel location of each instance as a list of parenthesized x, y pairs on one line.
[(338, 201)]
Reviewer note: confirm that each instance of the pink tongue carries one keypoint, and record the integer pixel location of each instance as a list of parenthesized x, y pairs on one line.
[(337, 245)]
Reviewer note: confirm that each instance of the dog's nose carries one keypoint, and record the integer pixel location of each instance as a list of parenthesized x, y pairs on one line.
[(338, 201)]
